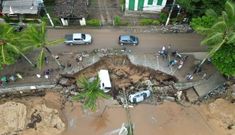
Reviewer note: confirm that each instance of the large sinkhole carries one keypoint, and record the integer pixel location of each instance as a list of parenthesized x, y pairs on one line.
[(127, 76)]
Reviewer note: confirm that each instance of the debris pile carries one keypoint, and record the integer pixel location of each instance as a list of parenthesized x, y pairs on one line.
[(218, 92)]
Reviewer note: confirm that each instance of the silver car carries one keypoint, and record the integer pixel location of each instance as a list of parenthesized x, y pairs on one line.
[(78, 38), (128, 40)]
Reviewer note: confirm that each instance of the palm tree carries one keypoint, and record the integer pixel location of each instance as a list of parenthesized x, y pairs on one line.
[(36, 36), (12, 45), (221, 33), (91, 92)]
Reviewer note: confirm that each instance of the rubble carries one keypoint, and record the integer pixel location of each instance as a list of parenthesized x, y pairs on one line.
[(124, 75), (219, 92)]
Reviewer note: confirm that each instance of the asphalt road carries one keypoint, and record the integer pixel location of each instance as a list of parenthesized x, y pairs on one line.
[(149, 42)]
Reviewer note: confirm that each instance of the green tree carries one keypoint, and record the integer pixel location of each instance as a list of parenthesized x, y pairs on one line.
[(12, 45), (90, 92), (221, 33), (36, 36), (197, 8), (206, 21), (224, 59)]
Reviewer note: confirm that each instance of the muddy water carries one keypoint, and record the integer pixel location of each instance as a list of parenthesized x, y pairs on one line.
[(82, 122), (166, 119)]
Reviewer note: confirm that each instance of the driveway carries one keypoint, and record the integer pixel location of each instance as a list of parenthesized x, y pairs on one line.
[(104, 10)]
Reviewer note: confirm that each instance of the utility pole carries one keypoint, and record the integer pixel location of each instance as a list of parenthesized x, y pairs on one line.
[(169, 15), (48, 16)]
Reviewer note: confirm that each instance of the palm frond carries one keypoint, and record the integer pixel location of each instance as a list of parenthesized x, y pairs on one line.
[(43, 30), (216, 48), (41, 59), (27, 48), (55, 42), (225, 17), (91, 92), (231, 38), (211, 40), (211, 12), (203, 30), (219, 26), (18, 51), (229, 8), (3, 54)]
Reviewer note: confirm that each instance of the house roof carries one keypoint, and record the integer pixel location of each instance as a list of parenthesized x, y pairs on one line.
[(20, 6), (71, 8)]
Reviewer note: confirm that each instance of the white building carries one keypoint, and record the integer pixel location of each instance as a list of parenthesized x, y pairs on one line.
[(145, 5)]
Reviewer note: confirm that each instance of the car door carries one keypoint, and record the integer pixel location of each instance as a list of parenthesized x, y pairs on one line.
[(78, 41), (129, 41)]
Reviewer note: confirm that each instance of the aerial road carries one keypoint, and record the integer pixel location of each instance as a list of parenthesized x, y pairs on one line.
[(108, 38)]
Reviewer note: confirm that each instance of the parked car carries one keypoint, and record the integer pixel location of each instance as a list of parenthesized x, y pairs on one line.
[(77, 38), (139, 96), (128, 39)]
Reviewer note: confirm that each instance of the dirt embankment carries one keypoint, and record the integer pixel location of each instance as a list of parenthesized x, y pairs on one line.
[(30, 116)]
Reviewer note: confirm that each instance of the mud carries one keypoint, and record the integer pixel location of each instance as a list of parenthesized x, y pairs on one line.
[(216, 118)]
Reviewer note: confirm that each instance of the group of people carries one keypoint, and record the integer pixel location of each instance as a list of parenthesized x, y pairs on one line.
[(46, 73), (177, 57), (12, 78)]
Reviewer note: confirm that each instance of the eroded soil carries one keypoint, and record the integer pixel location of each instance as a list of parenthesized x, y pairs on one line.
[(165, 119)]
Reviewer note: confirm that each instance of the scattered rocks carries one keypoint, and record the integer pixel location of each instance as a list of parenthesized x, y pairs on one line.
[(66, 81), (218, 92)]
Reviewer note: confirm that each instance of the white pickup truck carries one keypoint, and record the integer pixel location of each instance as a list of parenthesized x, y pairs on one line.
[(77, 38)]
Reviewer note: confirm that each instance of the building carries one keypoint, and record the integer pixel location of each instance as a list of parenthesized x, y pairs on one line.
[(21, 9), (145, 5), (71, 11)]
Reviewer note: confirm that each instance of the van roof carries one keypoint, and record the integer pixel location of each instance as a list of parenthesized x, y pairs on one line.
[(104, 77)]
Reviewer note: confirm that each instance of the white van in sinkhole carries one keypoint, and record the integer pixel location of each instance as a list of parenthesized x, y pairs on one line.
[(105, 83)]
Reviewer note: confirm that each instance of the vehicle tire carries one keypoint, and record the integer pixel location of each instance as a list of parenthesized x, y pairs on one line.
[(70, 44), (134, 44), (145, 95), (121, 44)]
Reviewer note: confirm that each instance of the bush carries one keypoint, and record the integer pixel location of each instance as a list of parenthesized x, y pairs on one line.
[(146, 21), (122, 2), (49, 2), (117, 20), (93, 22), (162, 17), (155, 22), (149, 22), (204, 21)]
